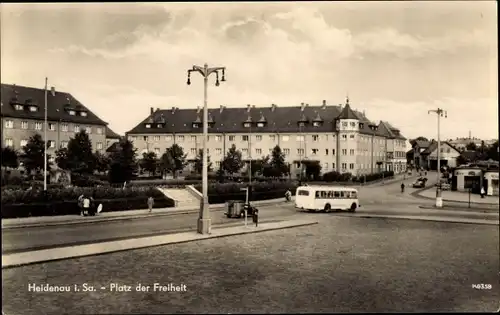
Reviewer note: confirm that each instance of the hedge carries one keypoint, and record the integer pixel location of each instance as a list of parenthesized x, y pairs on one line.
[(23, 203), (347, 177), (220, 193)]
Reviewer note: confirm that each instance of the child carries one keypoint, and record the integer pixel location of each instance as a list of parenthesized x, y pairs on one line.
[(151, 202)]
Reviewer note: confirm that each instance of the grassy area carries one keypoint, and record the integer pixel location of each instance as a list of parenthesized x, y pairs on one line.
[(341, 265)]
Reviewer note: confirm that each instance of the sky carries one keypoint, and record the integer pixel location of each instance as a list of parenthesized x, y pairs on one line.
[(395, 60)]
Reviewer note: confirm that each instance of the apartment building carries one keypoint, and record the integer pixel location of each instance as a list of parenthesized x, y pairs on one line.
[(23, 114), (338, 137)]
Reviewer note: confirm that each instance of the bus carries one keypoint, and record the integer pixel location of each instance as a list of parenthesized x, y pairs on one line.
[(326, 198)]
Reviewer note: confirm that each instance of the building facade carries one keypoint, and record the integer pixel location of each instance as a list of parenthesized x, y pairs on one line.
[(23, 115), (338, 137), (448, 155)]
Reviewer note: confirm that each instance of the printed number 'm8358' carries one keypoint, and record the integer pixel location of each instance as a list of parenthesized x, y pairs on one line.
[(482, 286)]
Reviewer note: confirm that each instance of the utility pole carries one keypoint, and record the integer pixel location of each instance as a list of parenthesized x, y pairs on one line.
[(45, 140), (204, 221), (439, 113)]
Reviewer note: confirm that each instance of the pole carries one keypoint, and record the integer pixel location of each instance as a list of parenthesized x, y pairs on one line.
[(439, 200), (250, 157), (45, 141), (205, 213), (469, 196), (371, 161), (246, 210)]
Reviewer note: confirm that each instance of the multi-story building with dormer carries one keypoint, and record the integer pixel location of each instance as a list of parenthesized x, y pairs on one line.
[(338, 137), (23, 115)]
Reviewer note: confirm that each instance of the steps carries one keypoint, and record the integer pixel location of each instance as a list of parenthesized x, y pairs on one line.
[(182, 197)]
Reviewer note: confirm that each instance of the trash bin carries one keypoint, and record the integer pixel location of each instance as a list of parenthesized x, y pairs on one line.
[(234, 208)]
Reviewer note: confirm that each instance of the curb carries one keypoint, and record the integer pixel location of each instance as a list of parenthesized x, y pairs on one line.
[(210, 236), (417, 218), (418, 195), (125, 217), (451, 208)]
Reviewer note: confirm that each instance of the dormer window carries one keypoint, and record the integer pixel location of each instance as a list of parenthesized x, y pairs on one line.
[(316, 123), (260, 124), (148, 125), (361, 125), (159, 125), (302, 124), (344, 124), (353, 124), (72, 112), (18, 107), (196, 125), (83, 114), (33, 108), (247, 125)]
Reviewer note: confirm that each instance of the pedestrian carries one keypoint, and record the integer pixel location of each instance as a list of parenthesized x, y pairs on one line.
[(402, 187), (288, 195), (86, 205), (482, 192), (151, 202), (80, 204)]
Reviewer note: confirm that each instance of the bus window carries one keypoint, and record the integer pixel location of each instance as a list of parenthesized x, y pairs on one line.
[(303, 193), (354, 195), (336, 194), (330, 194), (344, 194), (324, 194), (317, 194)]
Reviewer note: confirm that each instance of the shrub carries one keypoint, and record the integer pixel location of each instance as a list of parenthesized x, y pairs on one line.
[(172, 183), (87, 181), (347, 177), (22, 203)]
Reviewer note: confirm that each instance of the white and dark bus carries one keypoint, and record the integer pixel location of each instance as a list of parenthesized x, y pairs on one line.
[(326, 198)]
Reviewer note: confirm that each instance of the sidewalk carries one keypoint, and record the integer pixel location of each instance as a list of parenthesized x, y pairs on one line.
[(457, 196), (18, 259), (114, 215)]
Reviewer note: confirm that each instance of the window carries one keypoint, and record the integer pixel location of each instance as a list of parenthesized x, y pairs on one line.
[(193, 138), (286, 151), (168, 138), (344, 124), (64, 144), (156, 138), (83, 114), (260, 125), (157, 151), (244, 151), (315, 137), (336, 194), (217, 163), (354, 195), (244, 138), (218, 151), (218, 138), (300, 151), (231, 138), (326, 151), (351, 136), (351, 152), (196, 125), (193, 151), (180, 138), (333, 165), (24, 124), (52, 127), (64, 127), (442, 150), (258, 138), (353, 124), (19, 107), (145, 138), (71, 112), (88, 130), (351, 166), (148, 125), (316, 124), (9, 142), (247, 125), (38, 126), (158, 125), (333, 151), (258, 151), (33, 109), (24, 142), (51, 144), (344, 166), (285, 138), (344, 137), (99, 145), (314, 151), (76, 128), (344, 151), (9, 124), (272, 138), (300, 138), (303, 193), (99, 130)]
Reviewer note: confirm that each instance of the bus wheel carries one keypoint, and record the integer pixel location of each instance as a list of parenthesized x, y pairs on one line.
[(327, 208), (353, 207)]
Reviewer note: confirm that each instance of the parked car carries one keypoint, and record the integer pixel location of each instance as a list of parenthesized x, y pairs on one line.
[(419, 183)]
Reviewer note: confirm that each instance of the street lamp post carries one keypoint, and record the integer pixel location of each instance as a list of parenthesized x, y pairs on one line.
[(373, 128), (204, 218), (45, 140), (439, 113)]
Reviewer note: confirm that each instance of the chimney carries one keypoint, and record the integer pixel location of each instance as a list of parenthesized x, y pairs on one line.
[(302, 105), (248, 108), (173, 110), (198, 108), (273, 107), (221, 108), (253, 106), (152, 110), (323, 106)]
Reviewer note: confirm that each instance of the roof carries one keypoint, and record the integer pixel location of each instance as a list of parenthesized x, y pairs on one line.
[(231, 120), (422, 144), (113, 147), (390, 131), (58, 105), (433, 146), (110, 134), (470, 155), (347, 112)]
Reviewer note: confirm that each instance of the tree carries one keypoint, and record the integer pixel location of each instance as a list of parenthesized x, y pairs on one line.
[(198, 162), (232, 162), (471, 146), (62, 158), (492, 151), (278, 166), (123, 163), (259, 165), (9, 158), (101, 162), (80, 157), (422, 139), (173, 160), (149, 162), (33, 152)]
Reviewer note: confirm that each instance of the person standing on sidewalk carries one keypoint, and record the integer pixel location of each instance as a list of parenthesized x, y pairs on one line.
[(151, 203), (482, 192)]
